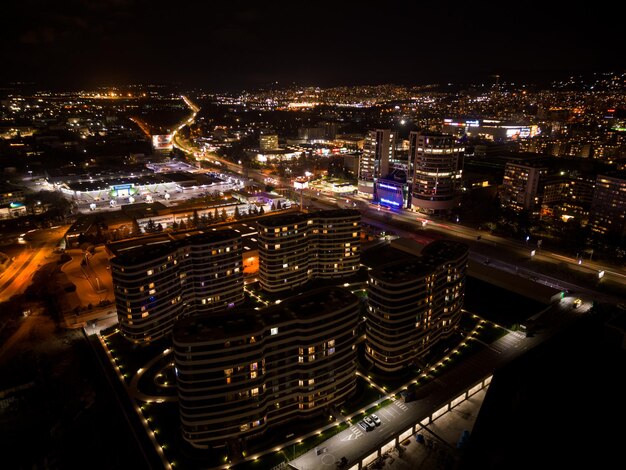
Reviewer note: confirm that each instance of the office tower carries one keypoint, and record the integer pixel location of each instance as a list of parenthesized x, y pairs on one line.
[(247, 370), (268, 141), (608, 208), (156, 284), (296, 248), (378, 151), (435, 172), (523, 186), (414, 303)]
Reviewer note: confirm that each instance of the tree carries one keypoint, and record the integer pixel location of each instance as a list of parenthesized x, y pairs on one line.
[(182, 225), (237, 215), (261, 211), (159, 227), (278, 205), (196, 219), (273, 207), (174, 225), (223, 215), (150, 226), (216, 216)]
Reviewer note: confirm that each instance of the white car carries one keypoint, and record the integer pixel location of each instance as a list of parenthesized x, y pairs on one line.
[(370, 422), (376, 419)]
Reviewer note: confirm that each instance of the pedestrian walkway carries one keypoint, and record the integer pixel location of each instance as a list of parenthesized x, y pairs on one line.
[(439, 449)]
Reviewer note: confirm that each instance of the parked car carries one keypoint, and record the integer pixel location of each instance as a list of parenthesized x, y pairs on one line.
[(370, 422), (376, 419), (363, 426)]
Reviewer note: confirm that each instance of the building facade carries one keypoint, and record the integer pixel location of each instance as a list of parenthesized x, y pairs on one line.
[(378, 152), (156, 284), (414, 303), (241, 373), (523, 186), (296, 248), (268, 142), (435, 168), (608, 208)]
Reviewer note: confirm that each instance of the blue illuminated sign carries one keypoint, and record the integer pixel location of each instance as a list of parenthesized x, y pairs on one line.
[(387, 201), (387, 186)]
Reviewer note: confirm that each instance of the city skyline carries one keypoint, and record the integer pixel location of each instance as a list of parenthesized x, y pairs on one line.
[(220, 249), (114, 42)]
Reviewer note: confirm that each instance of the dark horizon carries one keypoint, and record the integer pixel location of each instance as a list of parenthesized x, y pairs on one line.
[(84, 44)]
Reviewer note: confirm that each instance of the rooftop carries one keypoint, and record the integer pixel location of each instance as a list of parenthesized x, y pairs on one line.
[(242, 322), (146, 249)]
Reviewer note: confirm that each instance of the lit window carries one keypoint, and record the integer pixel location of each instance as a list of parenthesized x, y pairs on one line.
[(312, 350), (273, 331), (254, 392), (151, 285), (145, 314), (149, 272), (277, 246), (153, 291)]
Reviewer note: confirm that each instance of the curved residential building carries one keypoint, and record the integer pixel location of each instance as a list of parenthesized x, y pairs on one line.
[(295, 248), (435, 167), (241, 373), (414, 303), (156, 284)]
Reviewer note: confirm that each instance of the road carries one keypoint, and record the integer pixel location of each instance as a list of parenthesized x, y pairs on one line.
[(38, 246)]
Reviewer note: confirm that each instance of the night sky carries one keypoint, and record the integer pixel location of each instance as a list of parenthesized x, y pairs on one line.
[(71, 43)]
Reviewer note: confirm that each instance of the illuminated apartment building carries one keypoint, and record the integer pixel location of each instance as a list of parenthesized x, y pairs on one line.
[(523, 186), (378, 152), (296, 248), (608, 208), (156, 284), (414, 303), (243, 372), (435, 172), (268, 141)]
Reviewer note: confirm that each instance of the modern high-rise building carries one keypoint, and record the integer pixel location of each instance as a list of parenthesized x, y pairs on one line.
[(296, 248), (243, 372), (378, 152), (268, 141), (435, 167), (608, 208), (156, 284), (523, 186), (414, 303)]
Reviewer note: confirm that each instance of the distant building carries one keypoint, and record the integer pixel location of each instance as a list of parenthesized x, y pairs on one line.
[(378, 151), (490, 129), (435, 169), (413, 304), (268, 142), (608, 209), (296, 248), (241, 373), (523, 186), (156, 284)]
